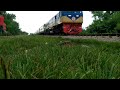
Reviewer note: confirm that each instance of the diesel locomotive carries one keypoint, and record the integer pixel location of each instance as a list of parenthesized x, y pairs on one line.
[(64, 22)]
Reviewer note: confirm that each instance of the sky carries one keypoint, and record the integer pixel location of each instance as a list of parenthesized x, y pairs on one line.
[(31, 21)]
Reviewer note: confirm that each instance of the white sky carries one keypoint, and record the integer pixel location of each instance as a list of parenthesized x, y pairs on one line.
[(31, 21)]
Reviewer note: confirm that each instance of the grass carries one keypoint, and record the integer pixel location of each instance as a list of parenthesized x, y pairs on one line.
[(40, 57)]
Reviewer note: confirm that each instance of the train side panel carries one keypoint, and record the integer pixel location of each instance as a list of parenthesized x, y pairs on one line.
[(41, 28), (58, 17), (51, 23), (54, 21)]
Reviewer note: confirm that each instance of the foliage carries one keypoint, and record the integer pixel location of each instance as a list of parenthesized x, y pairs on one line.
[(12, 27), (40, 57), (24, 33), (105, 22), (84, 32)]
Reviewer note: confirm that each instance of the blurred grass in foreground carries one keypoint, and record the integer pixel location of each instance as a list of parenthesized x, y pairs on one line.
[(40, 57)]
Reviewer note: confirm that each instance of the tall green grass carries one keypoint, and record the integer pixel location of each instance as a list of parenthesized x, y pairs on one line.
[(40, 57)]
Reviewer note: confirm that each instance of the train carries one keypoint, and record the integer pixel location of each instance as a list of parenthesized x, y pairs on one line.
[(64, 22), (2, 24)]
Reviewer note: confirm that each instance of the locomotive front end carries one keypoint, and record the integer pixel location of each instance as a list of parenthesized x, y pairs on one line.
[(72, 22)]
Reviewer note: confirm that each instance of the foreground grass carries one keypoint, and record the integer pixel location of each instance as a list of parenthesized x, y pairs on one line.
[(39, 57)]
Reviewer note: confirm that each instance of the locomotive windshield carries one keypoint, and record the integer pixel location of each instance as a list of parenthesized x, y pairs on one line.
[(64, 13), (72, 11)]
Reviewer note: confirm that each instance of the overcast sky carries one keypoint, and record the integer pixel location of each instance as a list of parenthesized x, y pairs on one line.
[(31, 21)]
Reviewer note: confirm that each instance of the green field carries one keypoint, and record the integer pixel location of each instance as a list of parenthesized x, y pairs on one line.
[(40, 57)]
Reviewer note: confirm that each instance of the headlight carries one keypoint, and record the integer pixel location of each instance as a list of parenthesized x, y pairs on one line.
[(77, 15), (69, 15)]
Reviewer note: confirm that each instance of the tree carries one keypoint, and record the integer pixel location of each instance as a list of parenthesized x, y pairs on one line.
[(24, 33), (2, 12), (97, 14), (11, 25), (105, 22)]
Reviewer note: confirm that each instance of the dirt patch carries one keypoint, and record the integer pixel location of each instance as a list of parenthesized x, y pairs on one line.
[(70, 44), (85, 46), (66, 43)]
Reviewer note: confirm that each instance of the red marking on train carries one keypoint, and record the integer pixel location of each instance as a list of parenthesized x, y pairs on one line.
[(72, 29), (1, 20), (2, 23)]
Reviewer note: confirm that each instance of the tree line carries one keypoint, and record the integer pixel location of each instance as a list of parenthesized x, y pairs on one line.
[(12, 27), (104, 22)]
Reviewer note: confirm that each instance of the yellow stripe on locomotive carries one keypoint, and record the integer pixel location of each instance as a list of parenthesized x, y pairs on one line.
[(65, 19)]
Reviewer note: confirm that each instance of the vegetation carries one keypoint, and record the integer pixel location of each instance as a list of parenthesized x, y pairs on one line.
[(40, 57), (105, 22), (11, 25)]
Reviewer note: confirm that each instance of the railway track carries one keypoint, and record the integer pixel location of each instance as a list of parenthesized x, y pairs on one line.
[(111, 38), (100, 38)]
